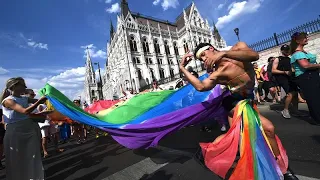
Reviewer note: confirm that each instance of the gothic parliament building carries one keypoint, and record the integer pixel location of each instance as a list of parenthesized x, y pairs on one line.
[(144, 49)]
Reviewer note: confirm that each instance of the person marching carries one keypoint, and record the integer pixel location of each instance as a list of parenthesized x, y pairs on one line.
[(233, 69), (22, 138)]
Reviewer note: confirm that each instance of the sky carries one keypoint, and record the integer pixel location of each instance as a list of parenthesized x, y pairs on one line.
[(44, 41)]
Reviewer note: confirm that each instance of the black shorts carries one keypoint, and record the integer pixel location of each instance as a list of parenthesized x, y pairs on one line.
[(288, 84), (232, 100)]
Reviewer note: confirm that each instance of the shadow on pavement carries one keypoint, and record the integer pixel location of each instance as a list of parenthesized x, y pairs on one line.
[(159, 175), (317, 138), (67, 164), (188, 139)]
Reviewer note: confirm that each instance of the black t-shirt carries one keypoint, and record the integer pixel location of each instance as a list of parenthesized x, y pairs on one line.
[(283, 65)]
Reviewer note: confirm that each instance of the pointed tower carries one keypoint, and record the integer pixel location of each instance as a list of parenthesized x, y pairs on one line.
[(90, 75), (124, 8), (216, 33), (90, 84), (111, 30)]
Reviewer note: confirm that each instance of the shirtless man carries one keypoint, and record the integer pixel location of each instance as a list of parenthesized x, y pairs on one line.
[(233, 68)]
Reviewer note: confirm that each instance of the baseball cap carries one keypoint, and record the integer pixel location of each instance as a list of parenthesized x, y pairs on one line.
[(285, 47)]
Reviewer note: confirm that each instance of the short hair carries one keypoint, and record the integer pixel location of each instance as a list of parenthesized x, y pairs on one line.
[(201, 45), (270, 58)]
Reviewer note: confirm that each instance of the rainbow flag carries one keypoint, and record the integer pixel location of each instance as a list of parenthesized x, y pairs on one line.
[(143, 120), (246, 135)]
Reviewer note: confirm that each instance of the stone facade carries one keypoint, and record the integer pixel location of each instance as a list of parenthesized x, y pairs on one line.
[(143, 49), (92, 88), (312, 47)]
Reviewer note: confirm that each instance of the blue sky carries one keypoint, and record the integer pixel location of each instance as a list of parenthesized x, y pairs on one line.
[(44, 41)]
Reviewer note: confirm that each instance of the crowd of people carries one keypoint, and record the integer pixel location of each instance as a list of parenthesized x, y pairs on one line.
[(295, 71)]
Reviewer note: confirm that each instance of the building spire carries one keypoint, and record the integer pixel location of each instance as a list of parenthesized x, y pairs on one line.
[(124, 8), (90, 75), (216, 33), (111, 30)]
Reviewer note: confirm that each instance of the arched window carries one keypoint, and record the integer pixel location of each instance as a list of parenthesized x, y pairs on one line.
[(145, 45), (200, 40), (92, 92), (159, 60), (152, 74), (171, 73), (185, 46), (139, 74), (133, 44), (195, 40), (136, 60), (127, 84), (205, 40), (166, 47), (161, 71), (170, 62), (176, 51), (156, 46)]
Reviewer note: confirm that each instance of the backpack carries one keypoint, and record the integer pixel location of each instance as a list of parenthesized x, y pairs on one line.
[(269, 70)]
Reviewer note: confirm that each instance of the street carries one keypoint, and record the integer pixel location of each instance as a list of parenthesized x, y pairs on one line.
[(105, 159)]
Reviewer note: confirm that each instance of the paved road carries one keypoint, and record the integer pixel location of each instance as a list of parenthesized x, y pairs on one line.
[(104, 159)]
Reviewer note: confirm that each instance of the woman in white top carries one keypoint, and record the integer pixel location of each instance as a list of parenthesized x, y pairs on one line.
[(22, 138)]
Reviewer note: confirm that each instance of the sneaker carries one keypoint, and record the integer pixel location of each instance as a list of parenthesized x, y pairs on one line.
[(289, 175), (97, 136), (223, 128), (105, 134), (79, 142), (285, 113)]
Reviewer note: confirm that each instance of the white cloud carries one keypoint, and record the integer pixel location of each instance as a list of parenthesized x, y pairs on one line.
[(35, 45), (238, 9), (94, 53), (220, 6), (3, 71), (166, 4), (21, 41), (156, 2), (108, 1), (70, 82), (114, 8)]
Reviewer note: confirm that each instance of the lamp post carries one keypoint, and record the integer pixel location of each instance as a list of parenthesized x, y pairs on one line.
[(236, 30), (100, 83)]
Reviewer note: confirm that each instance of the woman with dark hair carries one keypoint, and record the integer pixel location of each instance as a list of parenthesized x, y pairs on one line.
[(22, 137), (307, 73)]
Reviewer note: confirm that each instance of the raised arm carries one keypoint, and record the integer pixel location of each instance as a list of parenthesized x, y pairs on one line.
[(9, 103), (204, 85), (241, 52)]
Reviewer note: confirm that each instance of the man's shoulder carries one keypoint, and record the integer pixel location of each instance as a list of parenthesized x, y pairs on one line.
[(239, 46)]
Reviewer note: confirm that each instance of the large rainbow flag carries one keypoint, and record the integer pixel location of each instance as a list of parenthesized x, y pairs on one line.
[(143, 120)]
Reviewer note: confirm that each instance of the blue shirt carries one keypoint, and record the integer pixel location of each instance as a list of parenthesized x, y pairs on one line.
[(10, 115), (301, 55)]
